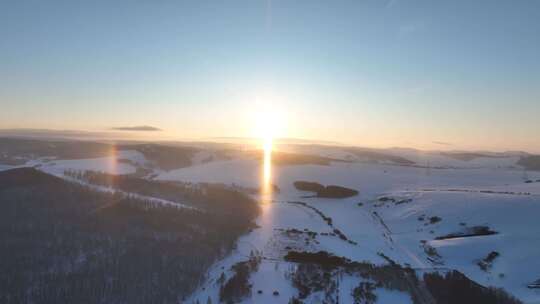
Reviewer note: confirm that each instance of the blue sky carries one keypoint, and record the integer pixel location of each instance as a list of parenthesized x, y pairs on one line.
[(374, 73)]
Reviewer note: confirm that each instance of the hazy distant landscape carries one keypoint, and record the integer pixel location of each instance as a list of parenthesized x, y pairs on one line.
[(185, 223)]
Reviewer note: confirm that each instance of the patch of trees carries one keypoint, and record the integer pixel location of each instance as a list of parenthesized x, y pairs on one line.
[(487, 262), (385, 199), (289, 159), (294, 231), (325, 218), (404, 201), (468, 156), (429, 220), (238, 286), (391, 276), (434, 219), (321, 258), (165, 157), (308, 186), (455, 287), (16, 151), (337, 192), (376, 157), (329, 222), (61, 242), (295, 300), (364, 293), (432, 253), (316, 269), (468, 232), (297, 235), (530, 162), (308, 279), (209, 197), (330, 191)]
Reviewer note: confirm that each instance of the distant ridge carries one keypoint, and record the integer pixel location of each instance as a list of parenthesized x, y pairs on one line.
[(284, 140), (137, 128), (120, 136)]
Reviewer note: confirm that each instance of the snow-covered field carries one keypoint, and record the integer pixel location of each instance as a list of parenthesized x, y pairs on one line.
[(400, 211), (485, 194), (121, 163)]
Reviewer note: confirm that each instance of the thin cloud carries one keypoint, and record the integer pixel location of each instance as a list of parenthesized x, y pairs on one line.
[(137, 128), (442, 143)]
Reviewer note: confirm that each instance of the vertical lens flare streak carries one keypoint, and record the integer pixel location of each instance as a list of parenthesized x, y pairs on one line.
[(267, 187), (113, 162)]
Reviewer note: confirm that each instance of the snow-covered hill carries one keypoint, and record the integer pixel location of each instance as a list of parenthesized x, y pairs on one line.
[(410, 208)]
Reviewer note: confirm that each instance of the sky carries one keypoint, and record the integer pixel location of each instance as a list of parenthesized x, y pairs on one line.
[(423, 74)]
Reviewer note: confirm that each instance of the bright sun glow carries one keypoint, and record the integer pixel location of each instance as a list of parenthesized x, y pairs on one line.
[(267, 125), (268, 121)]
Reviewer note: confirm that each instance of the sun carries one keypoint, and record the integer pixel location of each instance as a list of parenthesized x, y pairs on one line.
[(268, 124), (265, 124)]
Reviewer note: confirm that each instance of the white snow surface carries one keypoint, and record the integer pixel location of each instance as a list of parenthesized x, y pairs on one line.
[(109, 164), (488, 191), (419, 157), (457, 195)]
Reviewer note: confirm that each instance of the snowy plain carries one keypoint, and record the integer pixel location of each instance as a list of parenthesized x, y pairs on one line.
[(482, 192), (488, 191)]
